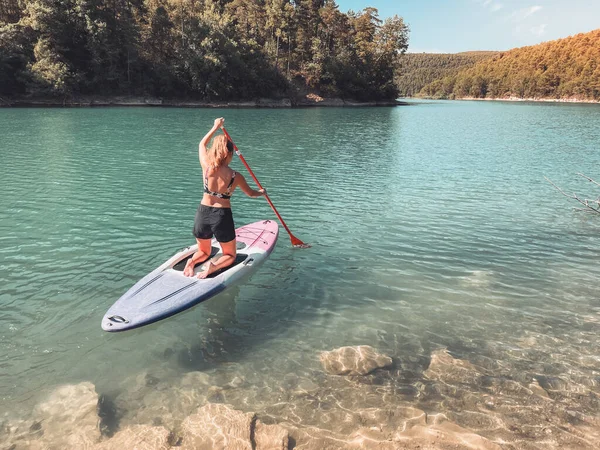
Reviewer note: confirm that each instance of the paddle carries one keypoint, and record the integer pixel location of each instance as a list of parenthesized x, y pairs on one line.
[(295, 241)]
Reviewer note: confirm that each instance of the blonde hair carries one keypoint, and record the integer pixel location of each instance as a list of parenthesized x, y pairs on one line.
[(218, 152)]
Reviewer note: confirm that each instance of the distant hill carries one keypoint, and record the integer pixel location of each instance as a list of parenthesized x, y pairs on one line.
[(416, 70), (563, 69)]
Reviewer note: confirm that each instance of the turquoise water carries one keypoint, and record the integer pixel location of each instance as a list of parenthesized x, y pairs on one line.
[(431, 225)]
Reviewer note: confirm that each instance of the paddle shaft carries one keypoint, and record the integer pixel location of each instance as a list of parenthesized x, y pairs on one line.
[(294, 239)]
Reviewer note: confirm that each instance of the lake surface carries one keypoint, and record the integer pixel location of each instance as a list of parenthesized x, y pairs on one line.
[(432, 227)]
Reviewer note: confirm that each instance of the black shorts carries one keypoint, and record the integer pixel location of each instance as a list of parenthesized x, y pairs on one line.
[(214, 221)]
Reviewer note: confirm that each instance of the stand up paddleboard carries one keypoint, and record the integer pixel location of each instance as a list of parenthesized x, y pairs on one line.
[(166, 291)]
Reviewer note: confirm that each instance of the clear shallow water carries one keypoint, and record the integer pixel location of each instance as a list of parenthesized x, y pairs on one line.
[(432, 227)]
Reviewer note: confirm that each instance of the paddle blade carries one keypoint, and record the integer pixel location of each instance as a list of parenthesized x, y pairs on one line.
[(297, 243)]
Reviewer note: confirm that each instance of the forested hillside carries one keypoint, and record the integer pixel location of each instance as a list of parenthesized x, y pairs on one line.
[(562, 69), (202, 49), (416, 70)]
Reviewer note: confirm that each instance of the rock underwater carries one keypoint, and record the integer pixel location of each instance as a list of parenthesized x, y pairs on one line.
[(359, 360), (310, 410)]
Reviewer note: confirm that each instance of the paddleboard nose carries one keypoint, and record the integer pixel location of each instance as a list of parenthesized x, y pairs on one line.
[(114, 323)]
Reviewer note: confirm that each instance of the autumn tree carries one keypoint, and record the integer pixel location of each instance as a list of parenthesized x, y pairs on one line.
[(565, 68)]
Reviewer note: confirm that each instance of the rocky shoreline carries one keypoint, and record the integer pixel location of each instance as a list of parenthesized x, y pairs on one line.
[(519, 99), (310, 100), (348, 404)]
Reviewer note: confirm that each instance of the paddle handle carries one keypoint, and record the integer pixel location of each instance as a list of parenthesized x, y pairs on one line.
[(295, 241)]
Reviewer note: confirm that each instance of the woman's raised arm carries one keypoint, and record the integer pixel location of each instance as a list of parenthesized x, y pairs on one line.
[(206, 139)]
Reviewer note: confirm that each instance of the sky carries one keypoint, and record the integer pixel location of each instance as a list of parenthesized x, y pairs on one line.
[(451, 26)]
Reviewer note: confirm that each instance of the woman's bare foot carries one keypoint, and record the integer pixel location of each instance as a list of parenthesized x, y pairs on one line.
[(189, 268), (210, 268), (191, 265)]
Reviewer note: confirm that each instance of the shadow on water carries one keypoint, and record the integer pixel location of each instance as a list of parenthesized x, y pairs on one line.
[(108, 414), (223, 329), (243, 317), (218, 339)]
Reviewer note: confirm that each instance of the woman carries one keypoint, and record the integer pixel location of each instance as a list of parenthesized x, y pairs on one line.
[(214, 217)]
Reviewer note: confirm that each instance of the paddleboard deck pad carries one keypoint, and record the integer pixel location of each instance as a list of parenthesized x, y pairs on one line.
[(165, 291)]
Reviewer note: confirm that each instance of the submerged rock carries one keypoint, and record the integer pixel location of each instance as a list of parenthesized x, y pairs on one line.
[(445, 368), (138, 437), (439, 433), (167, 402), (216, 426), (403, 428), (553, 384), (236, 382), (359, 360), (313, 438), (215, 395), (195, 380), (18, 433), (270, 437), (69, 417), (219, 427)]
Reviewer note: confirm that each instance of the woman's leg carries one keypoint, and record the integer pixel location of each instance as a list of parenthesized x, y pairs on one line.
[(203, 253), (226, 259)]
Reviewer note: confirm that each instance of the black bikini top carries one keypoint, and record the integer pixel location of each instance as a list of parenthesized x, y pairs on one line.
[(226, 195)]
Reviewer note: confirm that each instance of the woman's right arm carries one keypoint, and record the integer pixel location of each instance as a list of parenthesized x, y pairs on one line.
[(246, 189), (206, 139)]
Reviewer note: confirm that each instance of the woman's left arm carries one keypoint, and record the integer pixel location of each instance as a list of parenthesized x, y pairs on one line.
[(206, 139)]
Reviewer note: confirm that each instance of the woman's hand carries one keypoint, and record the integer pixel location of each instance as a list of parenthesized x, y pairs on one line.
[(204, 142), (263, 192)]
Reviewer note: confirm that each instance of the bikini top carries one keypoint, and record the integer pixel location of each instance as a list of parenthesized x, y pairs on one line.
[(226, 195)]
